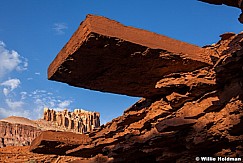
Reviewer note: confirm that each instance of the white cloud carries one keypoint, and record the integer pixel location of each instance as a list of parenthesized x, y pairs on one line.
[(59, 109), (49, 93), (29, 104), (6, 91), (14, 104), (10, 85), (60, 27), (24, 65), (23, 95), (64, 104), (14, 108), (11, 60), (2, 44), (9, 112), (37, 73), (44, 99)]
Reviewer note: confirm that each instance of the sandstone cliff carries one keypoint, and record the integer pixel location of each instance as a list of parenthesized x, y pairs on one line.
[(194, 108), (19, 131), (80, 121), (17, 134)]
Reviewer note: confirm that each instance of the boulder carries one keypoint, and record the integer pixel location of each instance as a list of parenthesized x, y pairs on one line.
[(55, 142)]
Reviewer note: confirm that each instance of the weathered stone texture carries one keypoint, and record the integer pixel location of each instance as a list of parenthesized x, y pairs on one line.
[(104, 49), (17, 134), (49, 141), (80, 121), (201, 114)]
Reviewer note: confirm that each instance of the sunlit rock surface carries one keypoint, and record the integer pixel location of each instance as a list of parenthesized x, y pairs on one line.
[(80, 121), (199, 114)]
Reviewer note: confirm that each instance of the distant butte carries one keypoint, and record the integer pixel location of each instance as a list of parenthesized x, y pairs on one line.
[(102, 51), (79, 121)]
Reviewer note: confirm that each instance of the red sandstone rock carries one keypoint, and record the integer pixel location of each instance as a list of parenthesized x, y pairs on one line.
[(202, 115), (22, 154), (79, 121), (104, 49), (13, 134), (51, 142), (19, 131)]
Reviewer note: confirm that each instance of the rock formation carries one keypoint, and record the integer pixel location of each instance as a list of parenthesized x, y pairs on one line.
[(138, 57), (22, 154), (13, 134), (19, 131), (194, 108), (80, 121)]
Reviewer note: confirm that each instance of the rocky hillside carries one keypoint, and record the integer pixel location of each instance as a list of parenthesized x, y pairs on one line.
[(17, 131), (23, 155), (20, 131), (194, 107)]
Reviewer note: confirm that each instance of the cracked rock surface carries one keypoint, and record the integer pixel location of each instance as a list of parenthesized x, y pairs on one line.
[(200, 114)]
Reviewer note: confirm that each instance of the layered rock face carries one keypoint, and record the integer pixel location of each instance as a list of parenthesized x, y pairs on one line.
[(19, 131), (199, 114), (80, 121), (17, 134)]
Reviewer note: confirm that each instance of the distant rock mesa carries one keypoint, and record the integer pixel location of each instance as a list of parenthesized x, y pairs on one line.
[(79, 120)]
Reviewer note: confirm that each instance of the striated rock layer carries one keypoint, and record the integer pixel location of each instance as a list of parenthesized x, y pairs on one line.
[(80, 121), (12, 134), (19, 131), (201, 115)]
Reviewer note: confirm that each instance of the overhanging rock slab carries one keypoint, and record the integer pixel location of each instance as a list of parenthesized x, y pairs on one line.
[(107, 56)]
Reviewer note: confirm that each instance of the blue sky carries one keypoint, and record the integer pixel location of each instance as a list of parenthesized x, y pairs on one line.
[(32, 32)]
